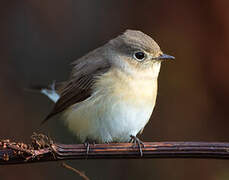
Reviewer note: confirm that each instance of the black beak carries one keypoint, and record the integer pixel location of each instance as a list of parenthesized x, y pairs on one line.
[(164, 57)]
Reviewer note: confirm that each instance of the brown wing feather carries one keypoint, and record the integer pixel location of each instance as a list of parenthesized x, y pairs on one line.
[(67, 100), (79, 87)]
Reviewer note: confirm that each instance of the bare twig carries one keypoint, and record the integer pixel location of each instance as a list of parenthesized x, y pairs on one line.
[(43, 149), (76, 171)]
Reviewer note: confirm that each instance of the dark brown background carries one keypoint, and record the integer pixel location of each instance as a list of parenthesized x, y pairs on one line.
[(38, 40)]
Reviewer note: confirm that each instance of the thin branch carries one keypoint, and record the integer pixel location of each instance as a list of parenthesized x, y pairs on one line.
[(42, 149), (76, 171)]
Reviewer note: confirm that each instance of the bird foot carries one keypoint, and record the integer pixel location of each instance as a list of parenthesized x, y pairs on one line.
[(87, 145), (138, 142)]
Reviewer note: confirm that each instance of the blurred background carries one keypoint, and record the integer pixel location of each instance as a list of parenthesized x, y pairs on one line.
[(39, 39)]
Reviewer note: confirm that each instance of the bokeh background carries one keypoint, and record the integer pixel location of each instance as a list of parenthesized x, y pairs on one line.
[(39, 39)]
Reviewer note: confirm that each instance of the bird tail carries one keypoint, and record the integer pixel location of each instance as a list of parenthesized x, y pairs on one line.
[(50, 91)]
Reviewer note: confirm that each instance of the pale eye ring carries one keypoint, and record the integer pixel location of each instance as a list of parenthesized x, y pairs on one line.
[(139, 55)]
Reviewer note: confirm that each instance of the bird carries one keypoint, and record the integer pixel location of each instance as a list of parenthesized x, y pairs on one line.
[(111, 92)]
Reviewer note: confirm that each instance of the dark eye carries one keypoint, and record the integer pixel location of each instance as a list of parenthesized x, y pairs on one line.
[(139, 55)]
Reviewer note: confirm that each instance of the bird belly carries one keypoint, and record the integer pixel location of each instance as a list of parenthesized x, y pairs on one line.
[(107, 119)]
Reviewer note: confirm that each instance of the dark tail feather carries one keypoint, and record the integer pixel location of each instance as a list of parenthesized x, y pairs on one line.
[(45, 120), (35, 88)]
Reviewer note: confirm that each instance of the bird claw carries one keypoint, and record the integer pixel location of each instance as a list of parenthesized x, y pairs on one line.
[(87, 146), (138, 142)]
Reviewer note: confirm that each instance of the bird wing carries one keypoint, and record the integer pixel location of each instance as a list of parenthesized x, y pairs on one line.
[(79, 87)]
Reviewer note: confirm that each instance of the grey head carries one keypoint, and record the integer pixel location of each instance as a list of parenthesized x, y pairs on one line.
[(135, 48), (135, 40)]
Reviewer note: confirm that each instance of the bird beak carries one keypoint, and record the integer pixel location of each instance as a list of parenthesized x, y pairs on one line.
[(164, 57)]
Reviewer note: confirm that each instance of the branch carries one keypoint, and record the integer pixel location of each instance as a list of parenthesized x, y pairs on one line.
[(42, 149), (81, 174)]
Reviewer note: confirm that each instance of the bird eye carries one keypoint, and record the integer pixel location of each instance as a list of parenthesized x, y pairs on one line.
[(140, 56)]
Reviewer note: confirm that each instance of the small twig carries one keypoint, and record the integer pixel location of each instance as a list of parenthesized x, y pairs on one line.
[(75, 170)]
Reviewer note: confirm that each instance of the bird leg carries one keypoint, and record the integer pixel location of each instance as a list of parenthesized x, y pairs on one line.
[(138, 142), (87, 145)]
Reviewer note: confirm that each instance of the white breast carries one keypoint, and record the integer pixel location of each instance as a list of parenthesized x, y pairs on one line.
[(117, 109)]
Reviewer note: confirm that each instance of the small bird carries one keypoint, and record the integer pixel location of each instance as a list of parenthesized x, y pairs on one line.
[(112, 90)]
